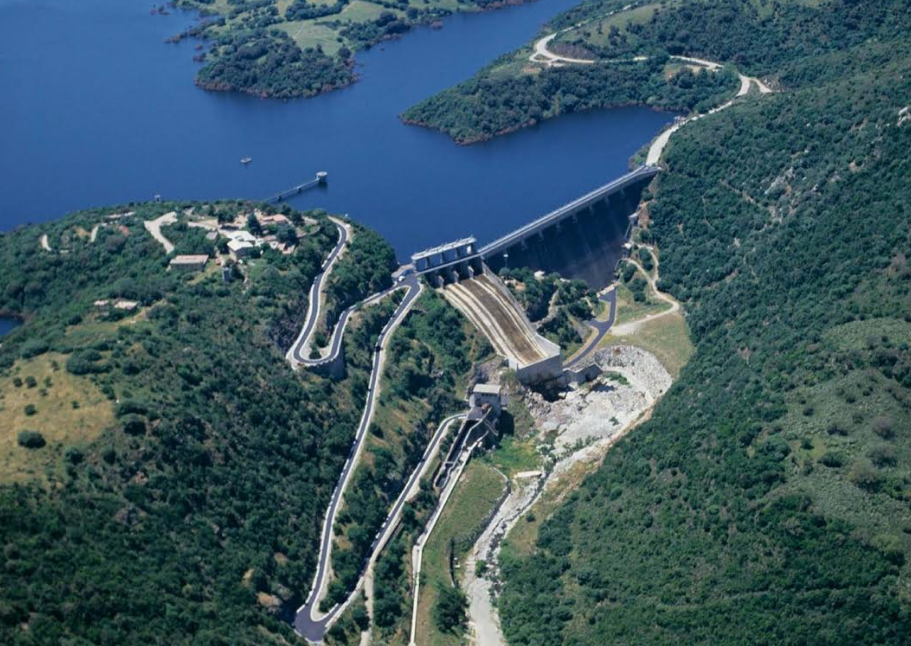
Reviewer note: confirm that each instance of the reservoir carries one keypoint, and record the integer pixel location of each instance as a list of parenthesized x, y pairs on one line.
[(99, 111)]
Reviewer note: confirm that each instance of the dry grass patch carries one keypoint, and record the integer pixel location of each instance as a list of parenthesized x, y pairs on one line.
[(68, 411), (459, 526), (523, 536), (666, 337)]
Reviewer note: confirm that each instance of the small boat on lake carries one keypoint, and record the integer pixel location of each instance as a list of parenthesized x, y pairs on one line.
[(246, 160)]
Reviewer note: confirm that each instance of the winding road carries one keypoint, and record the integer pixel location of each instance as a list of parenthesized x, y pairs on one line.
[(544, 56), (309, 622), (601, 329), (297, 354)]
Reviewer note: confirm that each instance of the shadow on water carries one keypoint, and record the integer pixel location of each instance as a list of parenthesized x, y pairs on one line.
[(103, 112)]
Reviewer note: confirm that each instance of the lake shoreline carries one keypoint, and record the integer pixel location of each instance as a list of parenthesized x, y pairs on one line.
[(484, 137), (344, 66)]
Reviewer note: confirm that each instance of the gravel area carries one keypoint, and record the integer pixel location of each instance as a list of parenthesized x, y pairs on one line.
[(633, 380), (585, 422)]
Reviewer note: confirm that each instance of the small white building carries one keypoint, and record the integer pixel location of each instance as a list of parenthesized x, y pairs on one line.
[(125, 305), (241, 236), (190, 262), (239, 248), (489, 394)]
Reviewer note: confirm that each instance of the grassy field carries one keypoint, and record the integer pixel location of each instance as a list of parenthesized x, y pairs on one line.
[(310, 34), (628, 309), (668, 338), (69, 411), (597, 32), (461, 522), (363, 11)]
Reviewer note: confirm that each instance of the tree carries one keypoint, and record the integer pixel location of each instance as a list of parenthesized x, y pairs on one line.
[(31, 439), (449, 613), (253, 225)]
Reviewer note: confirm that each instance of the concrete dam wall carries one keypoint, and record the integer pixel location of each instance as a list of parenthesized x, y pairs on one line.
[(587, 244)]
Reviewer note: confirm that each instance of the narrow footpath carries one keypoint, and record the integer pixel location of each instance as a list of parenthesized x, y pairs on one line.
[(626, 329)]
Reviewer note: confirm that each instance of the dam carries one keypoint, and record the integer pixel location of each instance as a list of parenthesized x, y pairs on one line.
[(582, 239)]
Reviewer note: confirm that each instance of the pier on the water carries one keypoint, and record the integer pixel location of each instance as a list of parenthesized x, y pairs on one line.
[(321, 178)]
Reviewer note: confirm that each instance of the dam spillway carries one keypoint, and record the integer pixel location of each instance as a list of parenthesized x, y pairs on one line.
[(487, 303), (582, 239)]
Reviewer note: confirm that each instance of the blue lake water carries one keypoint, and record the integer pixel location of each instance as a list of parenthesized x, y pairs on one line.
[(97, 110), (7, 325)]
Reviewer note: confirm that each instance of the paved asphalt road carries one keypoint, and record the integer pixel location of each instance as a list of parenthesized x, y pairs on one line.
[(305, 624), (602, 328), (295, 354)]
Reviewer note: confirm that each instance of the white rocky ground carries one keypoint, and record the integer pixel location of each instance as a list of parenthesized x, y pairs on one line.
[(633, 380), (586, 421)]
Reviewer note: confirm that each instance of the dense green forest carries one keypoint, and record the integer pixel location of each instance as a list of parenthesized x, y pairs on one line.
[(506, 96), (178, 487), (365, 268), (430, 356), (768, 499), (758, 36)]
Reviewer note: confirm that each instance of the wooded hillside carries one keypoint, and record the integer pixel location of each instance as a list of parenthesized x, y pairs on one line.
[(768, 500)]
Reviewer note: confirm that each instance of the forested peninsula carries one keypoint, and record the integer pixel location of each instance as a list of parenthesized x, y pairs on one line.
[(295, 48), (643, 53)]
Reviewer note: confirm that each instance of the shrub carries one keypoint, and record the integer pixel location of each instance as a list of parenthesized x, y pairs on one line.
[(865, 475), (30, 409), (360, 617), (882, 426), (85, 362), (31, 382), (836, 429), (131, 406), (883, 456), (73, 455), (832, 460), (134, 425), (33, 348), (31, 439)]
